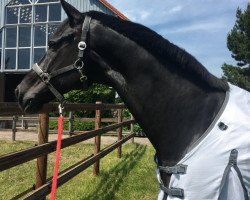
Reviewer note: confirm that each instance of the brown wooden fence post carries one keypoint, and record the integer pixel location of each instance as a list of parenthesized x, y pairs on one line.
[(97, 144), (43, 134), (119, 132)]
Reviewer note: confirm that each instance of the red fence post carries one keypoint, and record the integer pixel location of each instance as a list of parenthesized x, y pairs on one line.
[(119, 132), (97, 144), (43, 134)]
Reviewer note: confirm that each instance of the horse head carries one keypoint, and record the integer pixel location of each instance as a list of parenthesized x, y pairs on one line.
[(62, 51)]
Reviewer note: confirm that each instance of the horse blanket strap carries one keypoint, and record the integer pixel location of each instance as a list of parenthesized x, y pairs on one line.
[(173, 192), (232, 164), (218, 165), (178, 169), (78, 65)]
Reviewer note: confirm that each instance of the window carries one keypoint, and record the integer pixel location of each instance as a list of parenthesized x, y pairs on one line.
[(24, 58), (28, 25), (12, 15), (51, 30), (10, 58), (24, 47), (11, 37), (41, 13), (19, 2), (25, 14), (38, 54), (40, 36), (53, 10), (24, 36)]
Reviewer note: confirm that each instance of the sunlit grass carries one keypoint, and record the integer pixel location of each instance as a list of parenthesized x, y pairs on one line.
[(131, 177)]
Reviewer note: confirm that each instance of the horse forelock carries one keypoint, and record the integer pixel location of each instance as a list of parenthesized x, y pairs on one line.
[(165, 51), (63, 32)]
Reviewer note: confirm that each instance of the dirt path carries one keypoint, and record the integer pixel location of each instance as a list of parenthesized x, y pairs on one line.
[(32, 136)]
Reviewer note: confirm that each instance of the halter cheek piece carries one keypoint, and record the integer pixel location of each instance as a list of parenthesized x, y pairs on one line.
[(78, 65)]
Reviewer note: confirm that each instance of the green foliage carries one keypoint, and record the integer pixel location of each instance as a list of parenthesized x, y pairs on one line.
[(137, 129), (84, 126), (238, 42), (95, 93), (237, 76), (126, 113), (53, 125), (79, 126)]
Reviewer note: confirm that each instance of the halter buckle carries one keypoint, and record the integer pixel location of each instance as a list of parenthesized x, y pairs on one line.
[(45, 77), (82, 45)]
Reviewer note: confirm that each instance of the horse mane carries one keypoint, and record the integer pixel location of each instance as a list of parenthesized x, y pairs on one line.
[(161, 48)]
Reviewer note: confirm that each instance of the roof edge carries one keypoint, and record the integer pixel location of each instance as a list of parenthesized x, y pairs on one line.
[(113, 9)]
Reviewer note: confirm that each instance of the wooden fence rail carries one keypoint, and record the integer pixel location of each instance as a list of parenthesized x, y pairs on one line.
[(71, 119), (20, 157), (69, 174), (40, 152), (10, 108), (35, 119)]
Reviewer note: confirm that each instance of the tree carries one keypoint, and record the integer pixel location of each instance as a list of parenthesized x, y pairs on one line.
[(95, 93), (238, 42), (237, 76)]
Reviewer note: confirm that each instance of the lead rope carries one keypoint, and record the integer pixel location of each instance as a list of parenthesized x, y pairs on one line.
[(58, 152)]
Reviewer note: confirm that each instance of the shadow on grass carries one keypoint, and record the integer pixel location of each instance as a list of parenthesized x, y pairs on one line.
[(112, 180)]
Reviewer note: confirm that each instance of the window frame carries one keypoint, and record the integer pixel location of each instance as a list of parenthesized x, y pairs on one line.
[(1, 48), (32, 24)]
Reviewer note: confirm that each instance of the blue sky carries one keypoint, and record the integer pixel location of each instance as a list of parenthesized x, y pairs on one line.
[(198, 26)]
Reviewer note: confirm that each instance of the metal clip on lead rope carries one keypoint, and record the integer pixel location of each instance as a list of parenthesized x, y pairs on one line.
[(60, 109)]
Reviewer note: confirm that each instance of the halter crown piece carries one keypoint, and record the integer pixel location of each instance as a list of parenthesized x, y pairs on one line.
[(78, 65)]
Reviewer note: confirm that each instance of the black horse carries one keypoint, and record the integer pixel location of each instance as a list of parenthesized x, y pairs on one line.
[(171, 95)]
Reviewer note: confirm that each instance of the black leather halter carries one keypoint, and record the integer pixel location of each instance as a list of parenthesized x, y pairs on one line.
[(78, 65)]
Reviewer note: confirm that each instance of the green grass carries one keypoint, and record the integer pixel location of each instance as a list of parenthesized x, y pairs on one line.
[(132, 177)]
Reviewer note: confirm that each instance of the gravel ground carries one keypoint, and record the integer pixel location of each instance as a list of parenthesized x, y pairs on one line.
[(32, 136)]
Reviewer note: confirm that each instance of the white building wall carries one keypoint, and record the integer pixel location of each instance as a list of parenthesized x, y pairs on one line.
[(87, 5)]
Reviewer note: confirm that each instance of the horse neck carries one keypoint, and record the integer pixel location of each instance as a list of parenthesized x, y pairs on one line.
[(172, 110)]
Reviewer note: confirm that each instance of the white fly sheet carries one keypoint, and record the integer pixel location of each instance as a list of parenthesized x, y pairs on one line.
[(207, 161)]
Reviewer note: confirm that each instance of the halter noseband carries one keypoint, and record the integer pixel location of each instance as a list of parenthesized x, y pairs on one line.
[(78, 65)]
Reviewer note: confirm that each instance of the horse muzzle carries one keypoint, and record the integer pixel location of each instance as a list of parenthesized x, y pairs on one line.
[(30, 101)]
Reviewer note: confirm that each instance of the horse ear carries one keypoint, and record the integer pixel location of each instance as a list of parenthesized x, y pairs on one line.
[(73, 14)]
